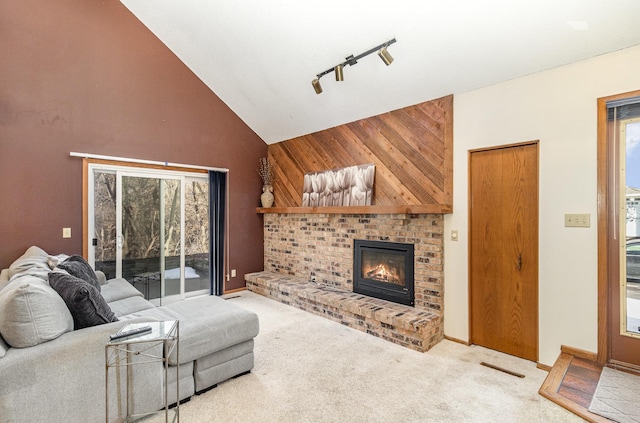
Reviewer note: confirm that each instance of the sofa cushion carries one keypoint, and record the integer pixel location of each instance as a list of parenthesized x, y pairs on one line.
[(34, 257), (222, 365), (221, 357), (207, 324), (118, 289), (77, 266), (31, 313), (129, 305), (84, 301)]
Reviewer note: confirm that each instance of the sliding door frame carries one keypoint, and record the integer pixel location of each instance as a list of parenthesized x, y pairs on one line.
[(607, 268), (85, 188), (135, 170)]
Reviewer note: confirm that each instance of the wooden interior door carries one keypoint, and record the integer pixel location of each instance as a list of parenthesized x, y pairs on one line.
[(503, 249)]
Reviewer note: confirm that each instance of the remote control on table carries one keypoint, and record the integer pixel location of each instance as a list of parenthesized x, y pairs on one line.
[(130, 332)]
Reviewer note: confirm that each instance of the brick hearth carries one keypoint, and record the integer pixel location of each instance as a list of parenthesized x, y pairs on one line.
[(308, 264)]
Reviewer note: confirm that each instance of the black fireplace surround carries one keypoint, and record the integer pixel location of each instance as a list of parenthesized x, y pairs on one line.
[(384, 270)]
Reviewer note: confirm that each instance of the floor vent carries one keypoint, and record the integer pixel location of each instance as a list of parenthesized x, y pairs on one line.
[(491, 366)]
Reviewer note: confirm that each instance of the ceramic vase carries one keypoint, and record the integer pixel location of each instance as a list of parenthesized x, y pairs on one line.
[(267, 196)]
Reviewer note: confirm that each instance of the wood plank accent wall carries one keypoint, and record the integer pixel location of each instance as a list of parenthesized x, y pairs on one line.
[(411, 148)]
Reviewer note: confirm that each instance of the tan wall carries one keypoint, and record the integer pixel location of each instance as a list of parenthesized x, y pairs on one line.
[(557, 107)]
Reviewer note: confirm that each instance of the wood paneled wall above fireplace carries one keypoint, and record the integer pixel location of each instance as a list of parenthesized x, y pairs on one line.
[(411, 148)]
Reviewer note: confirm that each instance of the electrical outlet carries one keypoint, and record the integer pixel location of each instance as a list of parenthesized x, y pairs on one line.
[(233, 273), (577, 220), (66, 232)]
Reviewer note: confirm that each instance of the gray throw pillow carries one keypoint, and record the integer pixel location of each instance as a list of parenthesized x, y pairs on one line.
[(77, 266), (84, 301)]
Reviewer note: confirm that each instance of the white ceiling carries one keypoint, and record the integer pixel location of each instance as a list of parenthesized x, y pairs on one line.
[(259, 56)]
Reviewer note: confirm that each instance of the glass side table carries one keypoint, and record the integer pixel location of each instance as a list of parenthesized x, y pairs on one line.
[(139, 350)]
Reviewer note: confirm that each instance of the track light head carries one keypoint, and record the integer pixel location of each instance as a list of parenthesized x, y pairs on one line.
[(385, 56), (316, 85), (338, 72), (352, 60)]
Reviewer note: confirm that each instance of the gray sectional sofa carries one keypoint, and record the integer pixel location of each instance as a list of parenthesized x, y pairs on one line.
[(51, 372)]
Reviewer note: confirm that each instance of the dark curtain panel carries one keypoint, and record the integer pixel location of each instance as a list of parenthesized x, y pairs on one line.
[(217, 196)]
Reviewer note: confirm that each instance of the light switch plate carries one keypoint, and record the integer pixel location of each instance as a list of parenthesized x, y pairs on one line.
[(66, 232), (577, 220)]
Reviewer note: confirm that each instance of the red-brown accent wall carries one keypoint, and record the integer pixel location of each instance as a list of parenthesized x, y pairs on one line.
[(87, 76)]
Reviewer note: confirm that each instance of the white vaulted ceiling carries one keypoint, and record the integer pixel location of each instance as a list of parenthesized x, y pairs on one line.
[(259, 56)]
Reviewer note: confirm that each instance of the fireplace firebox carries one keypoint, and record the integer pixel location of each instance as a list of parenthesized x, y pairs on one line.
[(384, 270)]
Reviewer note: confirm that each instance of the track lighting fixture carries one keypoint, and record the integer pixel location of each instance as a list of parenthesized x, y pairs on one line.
[(316, 85), (352, 60), (385, 56), (338, 71)]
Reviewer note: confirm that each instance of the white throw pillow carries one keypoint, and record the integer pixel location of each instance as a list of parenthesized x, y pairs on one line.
[(54, 261), (31, 313)]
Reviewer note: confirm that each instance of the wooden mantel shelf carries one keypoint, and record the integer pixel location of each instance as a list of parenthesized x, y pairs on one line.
[(403, 209)]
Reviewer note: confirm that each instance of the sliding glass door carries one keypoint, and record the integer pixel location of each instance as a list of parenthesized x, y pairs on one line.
[(630, 227), (151, 227)]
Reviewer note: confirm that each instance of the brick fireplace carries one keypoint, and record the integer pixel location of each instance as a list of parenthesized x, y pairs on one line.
[(309, 261)]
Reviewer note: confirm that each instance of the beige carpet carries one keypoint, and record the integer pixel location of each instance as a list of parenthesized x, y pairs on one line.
[(617, 396), (310, 369)]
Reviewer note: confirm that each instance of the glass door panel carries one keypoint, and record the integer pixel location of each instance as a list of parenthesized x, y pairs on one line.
[(104, 222), (140, 234), (618, 168), (172, 238), (630, 292), (197, 280)]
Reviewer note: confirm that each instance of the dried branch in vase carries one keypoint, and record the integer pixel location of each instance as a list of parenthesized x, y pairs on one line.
[(266, 171)]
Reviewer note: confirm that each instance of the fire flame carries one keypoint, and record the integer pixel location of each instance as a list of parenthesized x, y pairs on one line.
[(381, 273)]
